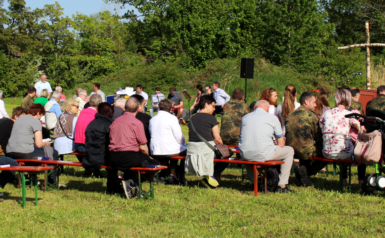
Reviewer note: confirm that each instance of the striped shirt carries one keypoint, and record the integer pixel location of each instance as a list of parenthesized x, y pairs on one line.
[(126, 133)]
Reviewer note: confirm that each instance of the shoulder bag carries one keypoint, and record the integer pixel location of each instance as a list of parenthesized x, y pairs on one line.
[(368, 148), (221, 151)]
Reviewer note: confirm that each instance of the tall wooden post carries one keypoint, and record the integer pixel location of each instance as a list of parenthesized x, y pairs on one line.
[(368, 76)]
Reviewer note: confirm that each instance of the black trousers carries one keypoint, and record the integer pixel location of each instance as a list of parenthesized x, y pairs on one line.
[(218, 110), (313, 167), (124, 161), (171, 163)]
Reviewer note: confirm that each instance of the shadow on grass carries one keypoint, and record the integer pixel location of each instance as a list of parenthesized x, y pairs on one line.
[(85, 187), (19, 199)]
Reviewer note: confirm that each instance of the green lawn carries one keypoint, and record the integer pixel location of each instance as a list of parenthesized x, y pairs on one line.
[(83, 209)]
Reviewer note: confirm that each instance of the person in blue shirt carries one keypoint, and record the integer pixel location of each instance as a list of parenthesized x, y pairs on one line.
[(52, 105), (221, 98)]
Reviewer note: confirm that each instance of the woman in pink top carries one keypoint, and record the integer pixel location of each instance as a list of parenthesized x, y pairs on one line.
[(336, 129), (86, 116), (60, 90)]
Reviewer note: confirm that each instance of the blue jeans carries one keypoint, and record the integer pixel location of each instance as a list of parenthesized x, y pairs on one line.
[(7, 176), (38, 152), (152, 110)]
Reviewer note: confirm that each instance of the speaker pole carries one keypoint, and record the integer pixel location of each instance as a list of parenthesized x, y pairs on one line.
[(246, 82)]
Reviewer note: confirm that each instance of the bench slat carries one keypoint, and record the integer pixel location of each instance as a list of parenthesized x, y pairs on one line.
[(26, 168)]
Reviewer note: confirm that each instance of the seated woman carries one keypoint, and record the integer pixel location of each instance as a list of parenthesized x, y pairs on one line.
[(195, 107), (43, 99), (200, 157), (97, 142), (65, 128), (322, 104), (337, 143), (289, 104), (167, 139), (270, 95), (26, 141)]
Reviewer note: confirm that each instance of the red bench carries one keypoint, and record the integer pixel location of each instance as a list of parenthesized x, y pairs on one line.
[(341, 162), (31, 170), (140, 170), (254, 165)]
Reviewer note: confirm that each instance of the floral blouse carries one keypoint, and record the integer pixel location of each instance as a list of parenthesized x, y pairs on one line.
[(337, 143)]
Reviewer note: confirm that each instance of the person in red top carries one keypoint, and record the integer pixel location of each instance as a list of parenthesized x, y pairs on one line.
[(128, 146)]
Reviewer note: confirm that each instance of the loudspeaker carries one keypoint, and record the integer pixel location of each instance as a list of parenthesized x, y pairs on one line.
[(247, 68)]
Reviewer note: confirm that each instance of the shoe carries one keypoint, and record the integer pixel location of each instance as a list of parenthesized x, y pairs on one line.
[(209, 182), (1, 200), (286, 189), (304, 179), (129, 188), (172, 180)]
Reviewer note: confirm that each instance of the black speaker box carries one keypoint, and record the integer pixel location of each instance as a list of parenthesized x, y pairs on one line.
[(247, 68)]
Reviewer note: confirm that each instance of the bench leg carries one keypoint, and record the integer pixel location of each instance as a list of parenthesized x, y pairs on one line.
[(341, 180), (140, 185), (334, 169), (35, 184), (327, 171), (350, 178), (23, 192), (255, 180), (243, 167), (152, 189)]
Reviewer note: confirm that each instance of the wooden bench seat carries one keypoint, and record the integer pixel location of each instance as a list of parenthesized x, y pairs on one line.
[(254, 165), (29, 169)]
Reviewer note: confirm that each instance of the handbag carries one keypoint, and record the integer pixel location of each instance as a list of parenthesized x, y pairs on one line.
[(221, 151), (368, 148)]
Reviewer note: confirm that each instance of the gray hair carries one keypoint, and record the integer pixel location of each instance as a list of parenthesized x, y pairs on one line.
[(82, 92), (120, 102), (1, 93), (56, 94), (343, 97), (58, 88), (95, 100), (262, 103), (132, 104)]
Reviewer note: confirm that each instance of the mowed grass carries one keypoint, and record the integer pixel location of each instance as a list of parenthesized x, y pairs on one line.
[(83, 209)]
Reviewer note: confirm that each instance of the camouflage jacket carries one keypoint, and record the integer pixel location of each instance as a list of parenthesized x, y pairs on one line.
[(233, 111), (356, 106), (302, 129), (377, 103), (27, 102)]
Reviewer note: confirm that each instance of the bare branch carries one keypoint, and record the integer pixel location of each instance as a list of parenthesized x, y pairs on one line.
[(362, 45)]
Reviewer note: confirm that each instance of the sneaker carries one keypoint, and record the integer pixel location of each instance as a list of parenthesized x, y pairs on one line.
[(209, 182), (286, 189), (129, 188), (304, 179)]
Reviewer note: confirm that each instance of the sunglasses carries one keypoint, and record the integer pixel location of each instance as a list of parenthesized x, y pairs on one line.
[(76, 106)]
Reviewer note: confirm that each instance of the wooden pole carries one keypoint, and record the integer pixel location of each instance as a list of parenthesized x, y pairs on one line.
[(368, 78), (362, 45)]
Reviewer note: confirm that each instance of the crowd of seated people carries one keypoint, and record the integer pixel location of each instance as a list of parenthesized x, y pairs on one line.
[(124, 136)]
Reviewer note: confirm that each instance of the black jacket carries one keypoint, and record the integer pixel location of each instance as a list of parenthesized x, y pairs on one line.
[(97, 141)]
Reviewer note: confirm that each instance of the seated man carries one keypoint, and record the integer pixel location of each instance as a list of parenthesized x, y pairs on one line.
[(143, 117), (256, 142), (119, 107), (52, 105), (6, 126), (155, 99), (128, 146), (28, 100), (355, 104), (6, 176), (233, 111), (303, 133), (377, 103), (177, 98), (167, 139)]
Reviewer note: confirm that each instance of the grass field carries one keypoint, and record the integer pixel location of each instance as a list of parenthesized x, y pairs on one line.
[(83, 209)]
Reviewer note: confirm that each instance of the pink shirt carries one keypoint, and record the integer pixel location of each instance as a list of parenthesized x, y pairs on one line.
[(86, 116), (126, 133)]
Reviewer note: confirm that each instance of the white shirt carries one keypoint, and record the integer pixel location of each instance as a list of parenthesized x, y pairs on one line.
[(166, 135), (145, 96), (101, 95), (3, 112), (280, 114), (63, 145), (221, 97), (40, 86)]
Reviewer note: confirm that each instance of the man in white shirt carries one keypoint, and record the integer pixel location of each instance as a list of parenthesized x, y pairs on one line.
[(43, 84), (221, 98), (256, 142), (139, 91), (155, 99), (3, 112), (167, 139), (97, 90)]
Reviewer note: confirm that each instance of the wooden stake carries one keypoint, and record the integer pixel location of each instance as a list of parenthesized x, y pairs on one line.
[(368, 77)]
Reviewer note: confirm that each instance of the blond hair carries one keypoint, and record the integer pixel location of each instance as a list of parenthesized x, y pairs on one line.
[(68, 104), (44, 93)]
